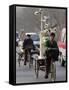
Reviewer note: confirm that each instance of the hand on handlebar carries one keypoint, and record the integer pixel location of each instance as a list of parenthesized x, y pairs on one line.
[(51, 48)]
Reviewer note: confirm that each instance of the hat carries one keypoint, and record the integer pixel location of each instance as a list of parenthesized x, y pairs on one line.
[(28, 35)]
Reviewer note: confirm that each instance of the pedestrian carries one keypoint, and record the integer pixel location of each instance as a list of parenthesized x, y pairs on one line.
[(50, 53), (27, 46)]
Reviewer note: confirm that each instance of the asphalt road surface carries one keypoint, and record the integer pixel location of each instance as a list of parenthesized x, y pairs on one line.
[(26, 75)]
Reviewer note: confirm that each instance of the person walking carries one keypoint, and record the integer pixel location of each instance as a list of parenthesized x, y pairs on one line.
[(51, 54)]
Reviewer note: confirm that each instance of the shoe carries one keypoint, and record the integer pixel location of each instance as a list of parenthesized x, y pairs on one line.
[(24, 63), (52, 80), (46, 76)]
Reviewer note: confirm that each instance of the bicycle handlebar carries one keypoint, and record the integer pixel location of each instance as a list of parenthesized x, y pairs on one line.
[(52, 48)]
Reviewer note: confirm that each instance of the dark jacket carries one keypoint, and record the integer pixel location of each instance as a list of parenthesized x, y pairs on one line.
[(28, 43), (53, 53)]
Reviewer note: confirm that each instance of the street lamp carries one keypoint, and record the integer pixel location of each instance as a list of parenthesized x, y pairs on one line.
[(40, 12)]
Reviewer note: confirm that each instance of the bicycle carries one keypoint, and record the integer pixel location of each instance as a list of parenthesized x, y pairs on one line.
[(28, 57), (40, 64), (53, 66), (20, 54)]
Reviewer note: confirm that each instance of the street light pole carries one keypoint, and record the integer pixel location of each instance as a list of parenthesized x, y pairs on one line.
[(40, 34), (41, 17)]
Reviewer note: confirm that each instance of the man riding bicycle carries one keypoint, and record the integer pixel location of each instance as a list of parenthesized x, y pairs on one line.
[(27, 46), (51, 52)]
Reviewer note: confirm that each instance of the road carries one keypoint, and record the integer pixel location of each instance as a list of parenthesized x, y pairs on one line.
[(26, 75)]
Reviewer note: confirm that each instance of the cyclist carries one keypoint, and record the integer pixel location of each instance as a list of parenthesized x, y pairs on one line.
[(27, 46), (51, 54)]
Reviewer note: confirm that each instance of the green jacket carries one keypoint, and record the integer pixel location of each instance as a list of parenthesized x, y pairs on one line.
[(53, 53), (48, 44)]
